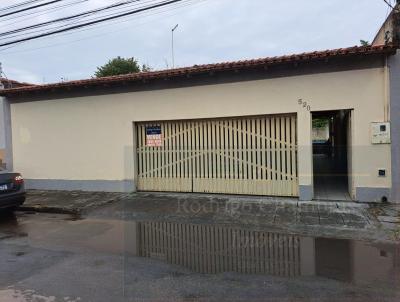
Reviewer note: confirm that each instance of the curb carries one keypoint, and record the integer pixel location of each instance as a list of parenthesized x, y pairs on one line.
[(51, 210)]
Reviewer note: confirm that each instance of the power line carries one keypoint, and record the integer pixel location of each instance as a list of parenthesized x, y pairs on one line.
[(164, 3), (154, 12), (29, 8), (68, 18), (37, 13), (19, 5), (389, 4), (76, 19), (186, 3)]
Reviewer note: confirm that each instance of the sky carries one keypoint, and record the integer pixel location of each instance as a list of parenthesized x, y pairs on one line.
[(209, 31)]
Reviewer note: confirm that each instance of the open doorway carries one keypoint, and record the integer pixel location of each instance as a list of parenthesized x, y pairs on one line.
[(330, 147)]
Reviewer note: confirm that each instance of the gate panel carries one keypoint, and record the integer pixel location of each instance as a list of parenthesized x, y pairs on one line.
[(252, 156), (257, 157), (163, 168)]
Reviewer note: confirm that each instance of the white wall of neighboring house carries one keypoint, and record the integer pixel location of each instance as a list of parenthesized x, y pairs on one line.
[(2, 134)]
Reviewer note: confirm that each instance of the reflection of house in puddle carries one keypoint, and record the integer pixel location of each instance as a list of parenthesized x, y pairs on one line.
[(216, 249)]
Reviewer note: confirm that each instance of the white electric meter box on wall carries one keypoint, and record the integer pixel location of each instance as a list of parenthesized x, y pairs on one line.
[(380, 133)]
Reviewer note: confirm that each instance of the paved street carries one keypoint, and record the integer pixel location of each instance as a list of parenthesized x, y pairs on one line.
[(180, 247), (53, 257)]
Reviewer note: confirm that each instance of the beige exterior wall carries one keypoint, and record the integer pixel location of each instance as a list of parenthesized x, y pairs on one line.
[(2, 153), (91, 138)]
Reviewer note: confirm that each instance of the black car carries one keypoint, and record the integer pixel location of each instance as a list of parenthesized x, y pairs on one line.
[(12, 190)]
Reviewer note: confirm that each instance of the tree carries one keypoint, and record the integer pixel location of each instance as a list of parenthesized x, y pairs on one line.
[(320, 123), (364, 43), (119, 66), (146, 68)]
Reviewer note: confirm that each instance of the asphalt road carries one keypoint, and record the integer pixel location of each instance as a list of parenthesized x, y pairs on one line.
[(51, 257)]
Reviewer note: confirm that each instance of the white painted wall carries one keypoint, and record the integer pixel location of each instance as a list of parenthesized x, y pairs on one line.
[(2, 133), (90, 138)]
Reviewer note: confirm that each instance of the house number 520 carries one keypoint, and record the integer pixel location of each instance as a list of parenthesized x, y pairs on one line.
[(304, 104)]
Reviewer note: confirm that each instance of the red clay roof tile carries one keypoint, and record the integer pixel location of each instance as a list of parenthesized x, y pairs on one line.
[(197, 69)]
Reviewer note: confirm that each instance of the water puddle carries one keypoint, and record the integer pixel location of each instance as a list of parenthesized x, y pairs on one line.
[(214, 249), (9, 226)]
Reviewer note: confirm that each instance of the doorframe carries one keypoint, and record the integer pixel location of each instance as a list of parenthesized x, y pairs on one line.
[(350, 152), (349, 146), (135, 156)]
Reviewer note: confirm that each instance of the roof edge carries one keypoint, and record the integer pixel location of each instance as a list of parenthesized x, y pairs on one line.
[(198, 69)]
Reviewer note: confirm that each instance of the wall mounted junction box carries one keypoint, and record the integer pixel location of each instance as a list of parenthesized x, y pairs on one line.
[(380, 133)]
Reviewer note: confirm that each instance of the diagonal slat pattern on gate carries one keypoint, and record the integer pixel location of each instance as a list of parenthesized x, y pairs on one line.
[(252, 156)]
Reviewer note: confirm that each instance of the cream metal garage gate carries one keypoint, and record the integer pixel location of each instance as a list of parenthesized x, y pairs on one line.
[(252, 156)]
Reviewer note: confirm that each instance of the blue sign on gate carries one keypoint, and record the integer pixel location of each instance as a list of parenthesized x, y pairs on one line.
[(153, 130), (154, 136)]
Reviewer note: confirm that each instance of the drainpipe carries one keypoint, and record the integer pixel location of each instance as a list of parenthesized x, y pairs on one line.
[(386, 97)]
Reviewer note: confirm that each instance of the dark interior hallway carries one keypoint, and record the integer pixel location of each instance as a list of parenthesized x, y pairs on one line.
[(330, 156), (328, 185)]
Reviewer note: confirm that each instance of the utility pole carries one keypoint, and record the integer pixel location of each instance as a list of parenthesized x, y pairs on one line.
[(172, 42)]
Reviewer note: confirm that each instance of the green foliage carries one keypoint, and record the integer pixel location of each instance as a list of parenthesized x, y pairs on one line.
[(119, 66), (320, 123), (364, 43), (146, 68)]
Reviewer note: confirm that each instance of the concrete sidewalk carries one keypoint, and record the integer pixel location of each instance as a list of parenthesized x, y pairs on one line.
[(68, 202), (326, 219)]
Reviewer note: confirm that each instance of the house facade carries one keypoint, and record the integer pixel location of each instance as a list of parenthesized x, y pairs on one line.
[(239, 128), (235, 128)]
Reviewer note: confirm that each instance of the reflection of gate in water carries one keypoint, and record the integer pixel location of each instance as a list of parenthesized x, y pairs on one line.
[(215, 249)]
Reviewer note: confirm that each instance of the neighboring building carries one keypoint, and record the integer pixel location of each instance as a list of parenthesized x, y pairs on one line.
[(237, 128), (6, 84)]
